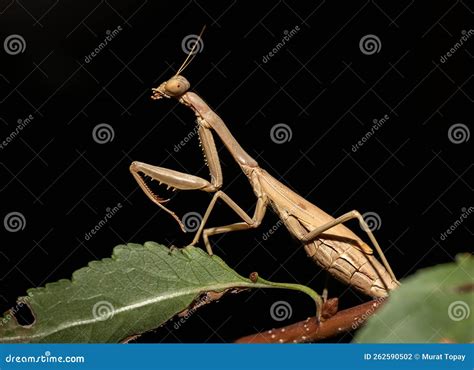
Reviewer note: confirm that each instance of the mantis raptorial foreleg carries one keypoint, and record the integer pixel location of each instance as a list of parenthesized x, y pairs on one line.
[(172, 178), (249, 222), (181, 180)]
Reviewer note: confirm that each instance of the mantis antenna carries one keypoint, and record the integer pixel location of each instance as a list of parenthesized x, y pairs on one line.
[(191, 55)]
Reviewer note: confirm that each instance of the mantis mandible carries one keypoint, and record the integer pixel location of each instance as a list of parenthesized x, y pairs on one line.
[(326, 240)]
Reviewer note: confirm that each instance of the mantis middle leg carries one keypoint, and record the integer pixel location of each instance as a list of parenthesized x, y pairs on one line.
[(248, 222)]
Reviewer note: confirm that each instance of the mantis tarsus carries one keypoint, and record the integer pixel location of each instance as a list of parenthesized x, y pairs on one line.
[(326, 240)]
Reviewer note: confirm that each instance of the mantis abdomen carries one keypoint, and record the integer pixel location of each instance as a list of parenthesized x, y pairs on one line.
[(351, 266), (338, 250)]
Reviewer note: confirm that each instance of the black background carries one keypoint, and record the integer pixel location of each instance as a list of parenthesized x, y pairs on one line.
[(320, 84)]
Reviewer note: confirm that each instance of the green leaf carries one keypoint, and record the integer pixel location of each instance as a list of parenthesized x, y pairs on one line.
[(138, 289), (434, 305)]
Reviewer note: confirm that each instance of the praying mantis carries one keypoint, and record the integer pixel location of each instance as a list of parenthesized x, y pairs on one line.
[(328, 242)]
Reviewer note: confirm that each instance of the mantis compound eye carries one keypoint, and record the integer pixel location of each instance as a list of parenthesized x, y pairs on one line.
[(177, 85)]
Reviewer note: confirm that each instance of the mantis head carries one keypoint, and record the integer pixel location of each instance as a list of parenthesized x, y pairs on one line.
[(177, 85), (173, 88)]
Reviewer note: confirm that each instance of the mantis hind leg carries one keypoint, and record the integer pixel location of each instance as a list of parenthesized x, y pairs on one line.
[(310, 236)]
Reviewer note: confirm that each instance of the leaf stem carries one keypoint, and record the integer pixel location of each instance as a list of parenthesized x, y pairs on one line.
[(254, 277)]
